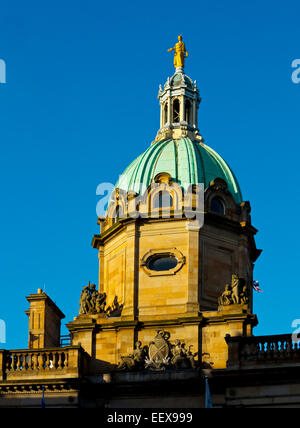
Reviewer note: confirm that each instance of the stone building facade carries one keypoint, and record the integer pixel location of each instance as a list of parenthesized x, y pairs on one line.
[(174, 301)]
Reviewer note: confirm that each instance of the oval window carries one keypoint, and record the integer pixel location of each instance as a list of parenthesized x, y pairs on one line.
[(162, 263)]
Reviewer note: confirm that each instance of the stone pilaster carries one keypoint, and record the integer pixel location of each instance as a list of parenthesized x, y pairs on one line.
[(132, 263), (192, 305), (82, 331)]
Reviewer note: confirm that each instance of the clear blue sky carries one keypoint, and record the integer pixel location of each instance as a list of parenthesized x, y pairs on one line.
[(80, 104)]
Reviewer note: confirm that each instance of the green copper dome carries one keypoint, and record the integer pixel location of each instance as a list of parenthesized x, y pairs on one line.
[(188, 162)]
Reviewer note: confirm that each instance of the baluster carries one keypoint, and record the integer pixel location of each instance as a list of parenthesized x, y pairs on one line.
[(63, 360), (9, 362), (17, 362), (22, 361), (279, 349), (39, 361), (261, 355), (259, 351), (295, 349), (51, 365), (288, 349), (49, 361), (276, 353), (283, 349), (56, 361), (31, 362), (283, 346), (13, 362), (36, 361), (45, 366), (271, 350), (59, 360), (46, 362), (26, 362), (266, 350)]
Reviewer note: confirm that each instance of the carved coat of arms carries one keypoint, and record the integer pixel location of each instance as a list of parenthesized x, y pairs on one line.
[(159, 350), (160, 355)]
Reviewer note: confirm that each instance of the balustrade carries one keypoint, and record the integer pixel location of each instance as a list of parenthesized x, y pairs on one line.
[(33, 362), (25, 361), (262, 349)]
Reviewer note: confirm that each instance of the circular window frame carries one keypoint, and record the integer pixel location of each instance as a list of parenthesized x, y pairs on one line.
[(154, 253)]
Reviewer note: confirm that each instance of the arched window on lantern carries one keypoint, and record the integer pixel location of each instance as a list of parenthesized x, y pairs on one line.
[(176, 111), (166, 113), (162, 199), (217, 206), (117, 214), (188, 109)]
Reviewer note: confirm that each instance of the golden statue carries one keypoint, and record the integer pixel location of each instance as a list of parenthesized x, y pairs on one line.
[(180, 53)]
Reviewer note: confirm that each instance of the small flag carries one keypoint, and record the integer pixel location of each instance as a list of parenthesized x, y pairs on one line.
[(208, 402), (256, 287)]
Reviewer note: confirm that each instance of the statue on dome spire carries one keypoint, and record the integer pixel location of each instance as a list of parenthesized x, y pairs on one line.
[(180, 53)]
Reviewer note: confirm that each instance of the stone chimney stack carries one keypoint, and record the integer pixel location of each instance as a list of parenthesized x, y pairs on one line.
[(44, 321)]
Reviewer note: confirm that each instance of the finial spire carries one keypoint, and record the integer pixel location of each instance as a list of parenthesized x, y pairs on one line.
[(179, 55)]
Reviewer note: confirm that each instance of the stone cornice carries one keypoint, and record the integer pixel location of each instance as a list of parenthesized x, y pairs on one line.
[(36, 386), (44, 297), (99, 240)]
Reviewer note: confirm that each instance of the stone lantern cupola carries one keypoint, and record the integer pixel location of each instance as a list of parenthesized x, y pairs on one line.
[(179, 102)]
